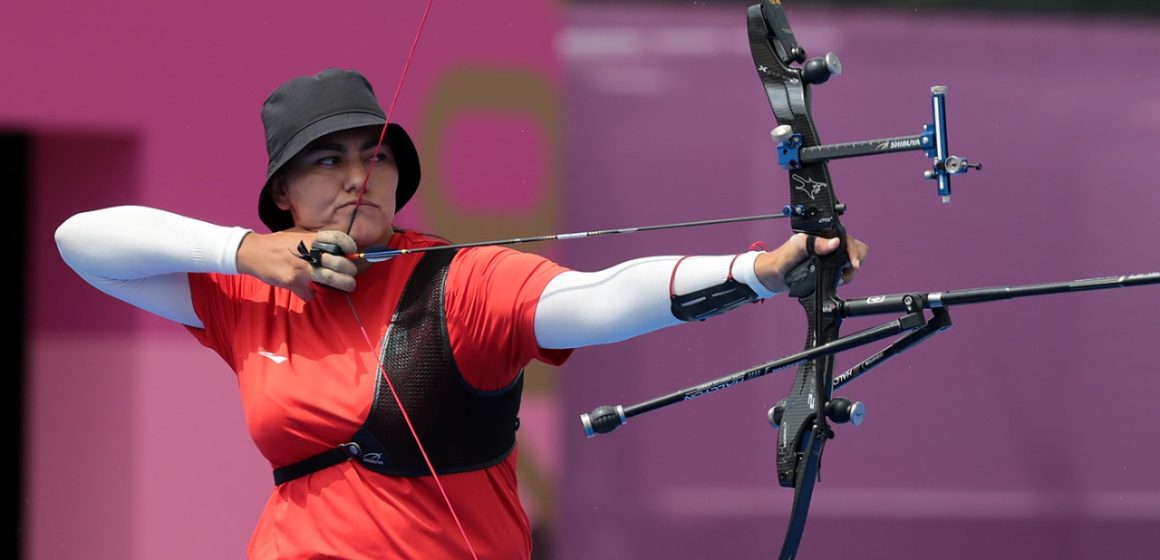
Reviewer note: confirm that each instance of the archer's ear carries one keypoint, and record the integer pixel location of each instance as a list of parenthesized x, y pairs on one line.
[(278, 192)]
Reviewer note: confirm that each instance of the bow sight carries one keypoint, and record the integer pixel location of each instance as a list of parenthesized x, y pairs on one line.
[(791, 154), (803, 418)]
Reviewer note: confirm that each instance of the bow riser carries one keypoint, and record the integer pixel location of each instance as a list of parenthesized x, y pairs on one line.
[(803, 429)]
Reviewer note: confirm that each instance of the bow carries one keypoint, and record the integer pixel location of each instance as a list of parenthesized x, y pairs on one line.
[(805, 417), (802, 418), (803, 423)]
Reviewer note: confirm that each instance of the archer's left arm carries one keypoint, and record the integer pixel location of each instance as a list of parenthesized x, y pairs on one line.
[(580, 309)]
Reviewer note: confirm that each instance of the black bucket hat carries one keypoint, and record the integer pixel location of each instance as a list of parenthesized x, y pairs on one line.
[(307, 108)]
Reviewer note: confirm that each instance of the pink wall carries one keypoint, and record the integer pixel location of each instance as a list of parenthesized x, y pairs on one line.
[(137, 448)]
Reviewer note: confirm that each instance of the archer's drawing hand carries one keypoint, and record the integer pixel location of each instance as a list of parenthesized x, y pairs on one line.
[(773, 266), (335, 269), (273, 258)]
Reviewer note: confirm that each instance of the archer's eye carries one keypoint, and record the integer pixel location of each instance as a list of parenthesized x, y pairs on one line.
[(328, 161), (380, 157)]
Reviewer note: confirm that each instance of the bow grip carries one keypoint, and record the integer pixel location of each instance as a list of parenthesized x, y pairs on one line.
[(803, 279)]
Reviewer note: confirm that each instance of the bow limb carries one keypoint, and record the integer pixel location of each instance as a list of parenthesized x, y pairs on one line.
[(803, 430)]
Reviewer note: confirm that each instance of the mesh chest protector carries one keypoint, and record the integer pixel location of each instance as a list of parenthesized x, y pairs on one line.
[(462, 428)]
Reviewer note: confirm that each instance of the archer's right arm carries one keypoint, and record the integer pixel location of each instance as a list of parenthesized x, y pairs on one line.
[(142, 255)]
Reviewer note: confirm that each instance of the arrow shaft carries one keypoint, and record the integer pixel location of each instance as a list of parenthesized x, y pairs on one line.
[(380, 255)]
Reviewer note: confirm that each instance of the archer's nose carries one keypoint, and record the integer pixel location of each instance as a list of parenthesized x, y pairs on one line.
[(356, 176)]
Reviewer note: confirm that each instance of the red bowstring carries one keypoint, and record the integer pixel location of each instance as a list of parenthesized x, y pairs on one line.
[(378, 366)]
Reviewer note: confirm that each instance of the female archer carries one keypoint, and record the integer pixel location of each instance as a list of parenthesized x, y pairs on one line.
[(385, 397)]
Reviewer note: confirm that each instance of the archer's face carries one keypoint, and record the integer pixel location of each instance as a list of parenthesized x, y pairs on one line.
[(320, 186)]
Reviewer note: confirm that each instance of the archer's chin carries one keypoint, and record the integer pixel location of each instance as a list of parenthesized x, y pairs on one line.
[(369, 232)]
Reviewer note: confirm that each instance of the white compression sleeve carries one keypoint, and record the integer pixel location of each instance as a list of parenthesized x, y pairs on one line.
[(632, 298), (142, 255)]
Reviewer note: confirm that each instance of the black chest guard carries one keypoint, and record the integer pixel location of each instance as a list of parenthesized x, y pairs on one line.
[(462, 428)]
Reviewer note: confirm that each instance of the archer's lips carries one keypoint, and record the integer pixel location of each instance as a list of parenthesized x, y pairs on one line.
[(360, 204)]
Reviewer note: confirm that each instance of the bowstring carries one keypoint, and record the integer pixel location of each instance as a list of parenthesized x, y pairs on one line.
[(362, 328)]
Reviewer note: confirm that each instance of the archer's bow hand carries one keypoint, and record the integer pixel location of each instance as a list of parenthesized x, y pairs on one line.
[(772, 267)]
